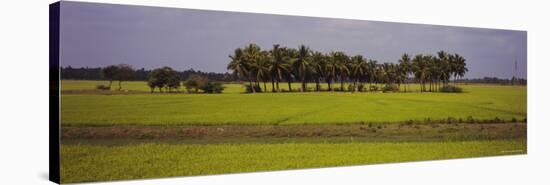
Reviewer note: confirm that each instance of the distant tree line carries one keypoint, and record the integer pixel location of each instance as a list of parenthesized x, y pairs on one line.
[(87, 73), (304, 65), (495, 80)]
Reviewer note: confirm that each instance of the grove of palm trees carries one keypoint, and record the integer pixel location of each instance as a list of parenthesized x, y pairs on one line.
[(305, 65)]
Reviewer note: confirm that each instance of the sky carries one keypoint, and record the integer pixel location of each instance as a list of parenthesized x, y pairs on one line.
[(96, 35)]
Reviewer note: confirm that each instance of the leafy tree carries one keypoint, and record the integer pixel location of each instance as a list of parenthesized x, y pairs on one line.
[(109, 72), (124, 72), (163, 78), (194, 83)]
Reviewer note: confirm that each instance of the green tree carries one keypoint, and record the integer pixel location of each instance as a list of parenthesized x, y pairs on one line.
[(195, 82), (239, 65), (318, 63), (301, 65), (109, 72), (359, 69), (405, 68), (278, 66), (124, 72)]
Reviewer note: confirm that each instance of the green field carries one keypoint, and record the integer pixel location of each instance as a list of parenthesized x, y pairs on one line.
[(480, 102), (83, 163), (112, 135)]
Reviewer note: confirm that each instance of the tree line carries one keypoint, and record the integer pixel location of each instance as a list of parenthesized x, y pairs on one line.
[(304, 65), (165, 79), (142, 74)]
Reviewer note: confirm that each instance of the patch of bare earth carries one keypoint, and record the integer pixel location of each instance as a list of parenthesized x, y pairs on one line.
[(385, 132)]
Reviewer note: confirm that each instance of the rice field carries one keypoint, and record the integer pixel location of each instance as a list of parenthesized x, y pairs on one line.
[(83, 163), (133, 134), (477, 103)]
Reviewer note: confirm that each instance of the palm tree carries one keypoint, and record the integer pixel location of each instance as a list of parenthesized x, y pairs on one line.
[(239, 65), (318, 64), (278, 66), (252, 55), (420, 70), (359, 68), (331, 70), (301, 64), (261, 68), (405, 66), (371, 71), (461, 68), (341, 61), (290, 58)]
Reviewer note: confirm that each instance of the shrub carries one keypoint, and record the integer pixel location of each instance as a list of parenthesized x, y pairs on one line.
[(212, 87), (361, 88), (450, 89), (102, 87), (351, 87), (195, 82), (373, 88), (390, 88), (257, 88)]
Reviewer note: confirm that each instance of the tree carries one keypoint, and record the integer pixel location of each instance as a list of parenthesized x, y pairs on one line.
[(239, 65), (405, 68), (109, 72), (371, 71), (123, 72), (251, 55), (318, 63), (290, 57), (420, 70), (163, 78), (341, 61), (301, 64), (359, 69), (194, 83), (278, 66), (330, 70), (261, 68)]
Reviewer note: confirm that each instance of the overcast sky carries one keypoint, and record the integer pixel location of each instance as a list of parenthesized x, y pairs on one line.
[(97, 35)]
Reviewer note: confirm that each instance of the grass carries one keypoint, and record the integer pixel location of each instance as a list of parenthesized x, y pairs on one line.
[(479, 102), (82, 163), (118, 135)]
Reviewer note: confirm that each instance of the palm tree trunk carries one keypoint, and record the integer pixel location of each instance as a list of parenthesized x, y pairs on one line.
[(252, 87), (265, 88), (341, 84), (272, 85), (278, 90), (289, 86), (317, 85), (303, 84), (119, 86)]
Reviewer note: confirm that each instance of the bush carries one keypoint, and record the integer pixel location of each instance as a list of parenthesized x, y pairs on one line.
[(361, 88), (257, 88), (450, 89), (351, 87), (102, 87), (212, 87), (194, 83), (373, 88), (390, 88)]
